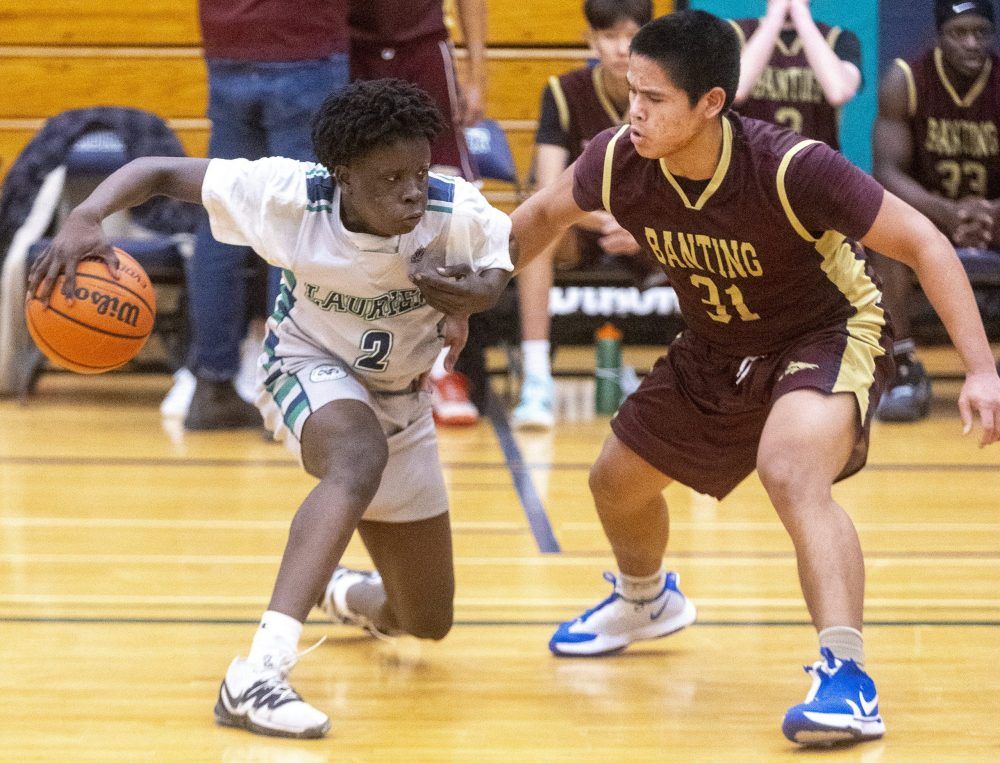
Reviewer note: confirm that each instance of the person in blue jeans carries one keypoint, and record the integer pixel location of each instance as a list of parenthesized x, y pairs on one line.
[(270, 67)]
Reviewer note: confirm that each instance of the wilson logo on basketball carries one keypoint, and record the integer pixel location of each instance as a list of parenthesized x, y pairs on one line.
[(110, 305), (105, 325), (139, 276)]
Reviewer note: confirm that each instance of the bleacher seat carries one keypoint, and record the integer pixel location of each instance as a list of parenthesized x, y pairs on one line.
[(91, 158), (490, 150)]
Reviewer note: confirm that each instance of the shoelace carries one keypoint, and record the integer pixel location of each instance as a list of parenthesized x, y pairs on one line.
[(276, 689), (289, 661), (827, 666)]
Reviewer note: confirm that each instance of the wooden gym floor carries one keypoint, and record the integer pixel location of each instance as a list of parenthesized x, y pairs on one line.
[(135, 560)]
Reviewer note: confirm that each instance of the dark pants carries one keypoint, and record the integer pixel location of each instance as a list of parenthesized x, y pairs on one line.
[(257, 110)]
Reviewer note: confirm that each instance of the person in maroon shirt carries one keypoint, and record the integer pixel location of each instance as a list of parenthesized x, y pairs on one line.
[(410, 41), (784, 357), (270, 66), (795, 71), (937, 145), (576, 106)]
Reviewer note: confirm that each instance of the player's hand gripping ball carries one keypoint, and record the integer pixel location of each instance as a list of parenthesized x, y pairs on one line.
[(105, 325)]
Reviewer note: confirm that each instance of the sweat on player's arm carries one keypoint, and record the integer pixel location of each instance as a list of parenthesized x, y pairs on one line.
[(904, 234)]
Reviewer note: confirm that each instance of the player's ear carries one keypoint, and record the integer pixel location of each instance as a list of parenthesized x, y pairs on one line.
[(342, 175), (713, 103)]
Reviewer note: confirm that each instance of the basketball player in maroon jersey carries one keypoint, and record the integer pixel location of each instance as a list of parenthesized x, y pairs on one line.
[(795, 71), (937, 146), (576, 106), (785, 355)]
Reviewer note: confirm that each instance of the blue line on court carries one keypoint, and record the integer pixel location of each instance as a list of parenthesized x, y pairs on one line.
[(530, 502)]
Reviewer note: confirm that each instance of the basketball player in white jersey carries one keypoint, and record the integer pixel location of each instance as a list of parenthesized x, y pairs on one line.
[(340, 376)]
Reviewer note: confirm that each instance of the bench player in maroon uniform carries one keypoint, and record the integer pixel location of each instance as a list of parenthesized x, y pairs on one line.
[(795, 71), (937, 146), (576, 106), (785, 355)]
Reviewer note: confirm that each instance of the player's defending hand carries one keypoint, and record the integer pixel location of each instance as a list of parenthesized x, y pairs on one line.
[(981, 394), (458, 289), (80, 237), (616, 240)]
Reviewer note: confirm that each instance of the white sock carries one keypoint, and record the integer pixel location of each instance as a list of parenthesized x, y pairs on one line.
[(276, 635), (437, 370), (642, 589), (535, 355), (845, 643)]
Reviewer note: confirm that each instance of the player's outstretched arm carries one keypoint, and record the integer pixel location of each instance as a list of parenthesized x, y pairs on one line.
[(81, 235), (904, 234), (542, 218)]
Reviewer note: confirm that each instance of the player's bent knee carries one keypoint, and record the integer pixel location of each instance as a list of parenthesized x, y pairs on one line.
[(602, 479), (433, 624), (789, 482)]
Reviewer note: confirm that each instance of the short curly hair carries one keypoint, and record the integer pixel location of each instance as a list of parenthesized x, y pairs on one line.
[(368, 114)]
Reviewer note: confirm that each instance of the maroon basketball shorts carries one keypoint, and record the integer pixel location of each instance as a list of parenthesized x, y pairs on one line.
[(426, 62), (699, 414)]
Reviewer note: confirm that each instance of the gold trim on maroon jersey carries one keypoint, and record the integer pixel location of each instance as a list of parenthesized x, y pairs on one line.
[(717, 178), (609, 160), (977, 87), (911, 86), (603, 98)]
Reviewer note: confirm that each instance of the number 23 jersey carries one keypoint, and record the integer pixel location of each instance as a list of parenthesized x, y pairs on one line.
[(764, 252), (956, 136), (347, 294)]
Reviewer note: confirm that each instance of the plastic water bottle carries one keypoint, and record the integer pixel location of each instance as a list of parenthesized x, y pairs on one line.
[(608, 393)]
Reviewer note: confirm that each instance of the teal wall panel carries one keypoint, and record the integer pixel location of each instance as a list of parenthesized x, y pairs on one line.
[(862, 19)]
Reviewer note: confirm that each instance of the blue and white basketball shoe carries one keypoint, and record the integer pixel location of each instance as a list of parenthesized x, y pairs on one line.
[(616, 622), (842, 705)]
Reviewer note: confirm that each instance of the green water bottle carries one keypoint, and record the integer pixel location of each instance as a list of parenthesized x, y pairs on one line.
[(608, 393)]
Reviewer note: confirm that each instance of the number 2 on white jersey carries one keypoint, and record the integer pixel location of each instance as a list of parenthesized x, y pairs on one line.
[(376, 344)]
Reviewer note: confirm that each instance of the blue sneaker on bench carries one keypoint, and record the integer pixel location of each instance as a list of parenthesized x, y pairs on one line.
[(842, 706), (616, 622)]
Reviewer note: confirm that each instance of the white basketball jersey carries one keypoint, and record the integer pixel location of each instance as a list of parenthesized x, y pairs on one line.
[(346, 294)]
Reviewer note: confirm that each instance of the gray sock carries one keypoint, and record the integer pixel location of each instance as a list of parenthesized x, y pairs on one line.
[(845, 643), (643, 588)]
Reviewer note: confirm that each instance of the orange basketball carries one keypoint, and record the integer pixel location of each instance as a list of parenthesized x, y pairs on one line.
[(105, 325)]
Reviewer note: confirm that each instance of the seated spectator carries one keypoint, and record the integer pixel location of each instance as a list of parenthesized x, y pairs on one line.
[(937, 146), (576, 106), (795, 71)]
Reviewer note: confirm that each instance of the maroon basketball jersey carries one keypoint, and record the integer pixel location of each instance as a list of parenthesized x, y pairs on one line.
[(584, 107), (765, 253), (788, 92), (956, 141)]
